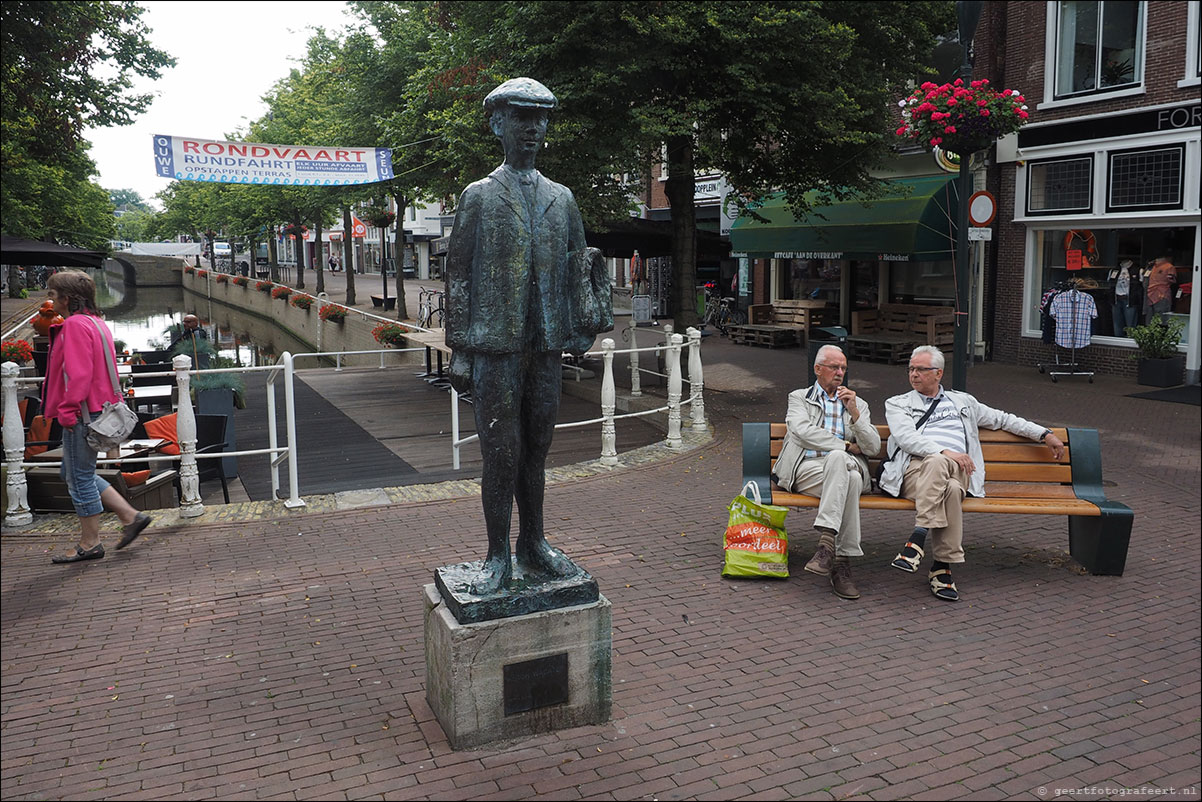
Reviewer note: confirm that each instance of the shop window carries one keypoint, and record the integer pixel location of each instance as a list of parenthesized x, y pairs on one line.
[(922, 283), (810, 280), (1102, 254), (1146, 179), (1056, 187), (1099, 46)]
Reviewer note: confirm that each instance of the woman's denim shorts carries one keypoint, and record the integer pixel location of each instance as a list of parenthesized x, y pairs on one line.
[(79, 471)]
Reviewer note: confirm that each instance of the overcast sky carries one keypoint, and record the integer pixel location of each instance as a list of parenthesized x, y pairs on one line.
[(228, 55)]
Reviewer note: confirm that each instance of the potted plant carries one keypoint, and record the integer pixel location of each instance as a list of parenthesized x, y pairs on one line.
[(241, 281), (264, 286), (19, 351), (390, 334), (333, 313), (281, 291), (302, 301), (1160, 363), (961, 119), (222, 278)]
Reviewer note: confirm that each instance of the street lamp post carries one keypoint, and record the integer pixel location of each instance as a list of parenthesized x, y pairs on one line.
[(968, 14)]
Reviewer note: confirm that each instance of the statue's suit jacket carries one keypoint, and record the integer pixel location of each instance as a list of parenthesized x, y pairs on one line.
[(502, 258)]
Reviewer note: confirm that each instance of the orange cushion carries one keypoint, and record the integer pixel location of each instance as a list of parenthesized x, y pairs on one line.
[(136, 478), (164, 429), (39, 429)]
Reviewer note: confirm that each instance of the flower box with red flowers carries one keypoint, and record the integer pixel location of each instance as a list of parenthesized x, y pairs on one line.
[(241, 281), (301, 301), (222, 278), (202, 273), (281, 292), (333, 313), (390, 334), (19, 351), (264, 286)]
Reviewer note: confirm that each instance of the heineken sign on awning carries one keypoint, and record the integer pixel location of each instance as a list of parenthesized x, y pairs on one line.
[(189, 159)]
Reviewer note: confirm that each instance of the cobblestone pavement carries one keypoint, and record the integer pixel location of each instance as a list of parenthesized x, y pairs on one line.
[(260, 654)]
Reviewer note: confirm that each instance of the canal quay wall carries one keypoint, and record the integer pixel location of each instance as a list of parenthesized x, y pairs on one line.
[(144, 271), (207, 293)]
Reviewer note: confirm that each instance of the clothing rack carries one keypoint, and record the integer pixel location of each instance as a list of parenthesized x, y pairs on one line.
[(1071, 367)]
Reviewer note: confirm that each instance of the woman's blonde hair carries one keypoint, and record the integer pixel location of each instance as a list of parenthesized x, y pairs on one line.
[(77, 288)]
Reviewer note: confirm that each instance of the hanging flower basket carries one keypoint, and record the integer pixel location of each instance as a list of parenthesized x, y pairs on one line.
[(202, 273), (189, 269), (301, 301), (961, 119), (379, 218), (241, 281), (333, 313), (390, 334), (264, 286), (19, 351), (281, 292), (222, 278)]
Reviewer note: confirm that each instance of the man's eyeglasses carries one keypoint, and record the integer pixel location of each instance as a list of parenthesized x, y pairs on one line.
[(833, 367), (917, 369)]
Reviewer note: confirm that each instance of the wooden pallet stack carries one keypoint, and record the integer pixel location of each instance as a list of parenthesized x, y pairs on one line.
[(780, 324), (890, 333), (767, 335)]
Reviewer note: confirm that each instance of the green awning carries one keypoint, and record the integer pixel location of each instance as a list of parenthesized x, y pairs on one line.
[(914, 221)]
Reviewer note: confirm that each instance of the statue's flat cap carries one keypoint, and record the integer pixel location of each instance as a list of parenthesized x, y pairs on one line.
[(520, 92)]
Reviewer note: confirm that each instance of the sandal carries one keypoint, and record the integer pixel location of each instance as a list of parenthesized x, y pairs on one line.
[(130, 533), (909, 564), (94, 553), (942, 585)]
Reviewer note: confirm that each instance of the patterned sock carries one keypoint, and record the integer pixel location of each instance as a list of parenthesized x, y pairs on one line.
[(826, 537)]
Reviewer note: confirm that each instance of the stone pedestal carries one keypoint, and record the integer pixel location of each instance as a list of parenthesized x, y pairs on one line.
[(520, 675)]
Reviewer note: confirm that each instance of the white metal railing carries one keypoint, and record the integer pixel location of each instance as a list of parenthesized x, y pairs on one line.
[(18, 512), (608, 417)]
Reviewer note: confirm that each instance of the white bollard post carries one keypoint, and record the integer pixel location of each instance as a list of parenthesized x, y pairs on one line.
[(454, 429), (17, 513), (185, 433), (294, 500), (636, 382), (696, 381), (674, 440), (609, 443)]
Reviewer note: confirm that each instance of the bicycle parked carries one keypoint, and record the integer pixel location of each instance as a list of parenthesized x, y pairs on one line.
[(430, 309), (720, 311)]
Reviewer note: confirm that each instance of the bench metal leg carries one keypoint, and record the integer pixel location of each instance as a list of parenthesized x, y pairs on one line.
[(757, 459), (1100, 544)]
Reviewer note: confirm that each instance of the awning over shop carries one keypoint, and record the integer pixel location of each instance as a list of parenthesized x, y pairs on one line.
[(914, 221)]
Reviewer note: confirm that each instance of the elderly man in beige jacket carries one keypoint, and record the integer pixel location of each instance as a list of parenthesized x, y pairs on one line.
[(829, 435)]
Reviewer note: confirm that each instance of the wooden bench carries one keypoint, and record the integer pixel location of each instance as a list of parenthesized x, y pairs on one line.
[(783, 323), (1021, 477), (889, 333), (388, 303), (48, 491)]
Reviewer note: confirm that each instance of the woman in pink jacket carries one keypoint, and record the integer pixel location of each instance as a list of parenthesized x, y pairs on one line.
[(77, 373)]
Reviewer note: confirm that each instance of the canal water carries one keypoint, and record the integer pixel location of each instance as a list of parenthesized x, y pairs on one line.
[(141, 319)]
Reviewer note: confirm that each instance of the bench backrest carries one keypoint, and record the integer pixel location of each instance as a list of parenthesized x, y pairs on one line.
[(1014, 466)]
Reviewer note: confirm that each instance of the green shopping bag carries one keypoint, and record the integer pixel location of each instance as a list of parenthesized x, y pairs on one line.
[(755, 543)]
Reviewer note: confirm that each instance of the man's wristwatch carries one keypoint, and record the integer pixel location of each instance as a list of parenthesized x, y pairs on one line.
[(1045, 434)]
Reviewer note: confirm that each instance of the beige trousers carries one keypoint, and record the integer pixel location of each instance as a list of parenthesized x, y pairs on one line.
[(837, 482), (937, 485)]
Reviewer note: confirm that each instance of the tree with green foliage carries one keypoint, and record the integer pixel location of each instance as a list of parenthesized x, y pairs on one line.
[(66, 66), (792, 96)]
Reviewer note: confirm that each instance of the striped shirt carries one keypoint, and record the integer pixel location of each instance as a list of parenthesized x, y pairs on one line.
[(832, 420), (944, 426)]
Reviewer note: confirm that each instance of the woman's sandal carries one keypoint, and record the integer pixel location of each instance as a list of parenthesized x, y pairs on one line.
[(908, 564), (942, 585), (94, 553)]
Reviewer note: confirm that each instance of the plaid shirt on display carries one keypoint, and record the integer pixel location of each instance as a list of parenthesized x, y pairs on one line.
[(832, 421), (1074, 310)]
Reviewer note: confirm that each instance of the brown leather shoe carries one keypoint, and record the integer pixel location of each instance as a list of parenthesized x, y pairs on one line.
[(821, 562), (841, 581)]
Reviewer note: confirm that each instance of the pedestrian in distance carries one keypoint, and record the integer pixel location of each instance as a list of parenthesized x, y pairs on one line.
[(935, 460), (77, 374), (830, 433)]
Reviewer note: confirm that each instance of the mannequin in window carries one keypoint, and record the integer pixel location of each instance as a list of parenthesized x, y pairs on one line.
[(1126, 296), (1160, 287)]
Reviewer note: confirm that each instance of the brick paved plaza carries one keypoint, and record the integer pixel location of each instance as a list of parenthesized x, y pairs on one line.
[(281, 656)]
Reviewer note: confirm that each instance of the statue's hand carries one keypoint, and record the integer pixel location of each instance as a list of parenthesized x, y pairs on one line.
[(459, 372)]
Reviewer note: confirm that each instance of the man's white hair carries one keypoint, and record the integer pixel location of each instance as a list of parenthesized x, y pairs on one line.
[(818, 357), (936, 355)]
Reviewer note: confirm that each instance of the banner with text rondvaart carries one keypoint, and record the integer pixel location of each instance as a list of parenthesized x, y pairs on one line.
[(187, 159)]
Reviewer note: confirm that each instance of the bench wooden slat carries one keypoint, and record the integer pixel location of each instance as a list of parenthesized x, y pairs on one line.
[(1028, 490), (1027, 472), (1019, 452), (1015, 506)]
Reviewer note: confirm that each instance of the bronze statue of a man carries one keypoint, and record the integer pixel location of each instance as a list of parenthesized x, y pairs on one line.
[(522, 288)]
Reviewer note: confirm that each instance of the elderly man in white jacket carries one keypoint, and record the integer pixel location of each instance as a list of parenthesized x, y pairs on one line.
[(934, 459), (829, 435)]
